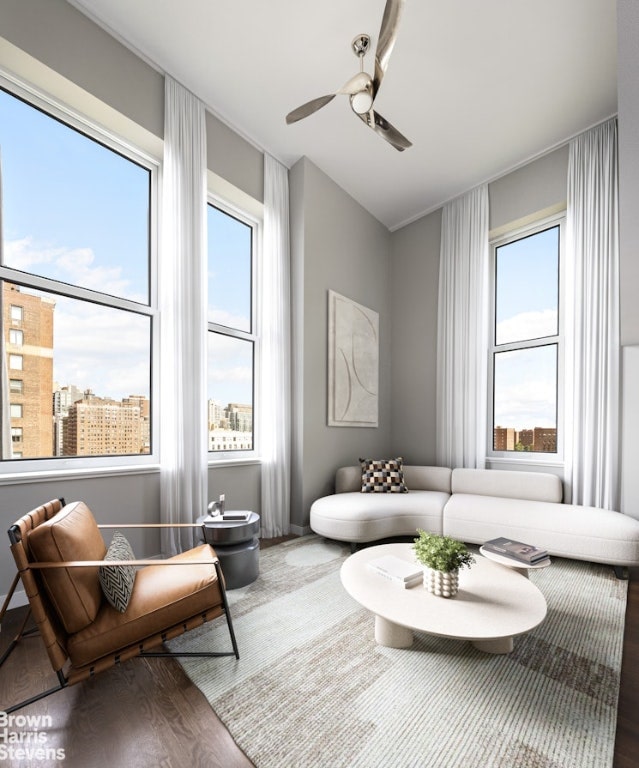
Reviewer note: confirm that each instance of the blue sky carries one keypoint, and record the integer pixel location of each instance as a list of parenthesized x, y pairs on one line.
[(79, 213), (229, 304), (72, 210)]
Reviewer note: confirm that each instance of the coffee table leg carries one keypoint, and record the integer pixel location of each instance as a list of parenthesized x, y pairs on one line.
[(392, 635), (497, 645)]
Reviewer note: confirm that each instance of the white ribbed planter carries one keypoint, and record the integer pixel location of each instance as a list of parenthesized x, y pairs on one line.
[(440, 583)]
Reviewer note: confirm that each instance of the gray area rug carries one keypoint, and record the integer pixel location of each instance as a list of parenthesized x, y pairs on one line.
[(312, 688)]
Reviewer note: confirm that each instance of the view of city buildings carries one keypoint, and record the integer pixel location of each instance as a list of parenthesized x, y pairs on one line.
[(49, 419), (230, 427), (538, 439)]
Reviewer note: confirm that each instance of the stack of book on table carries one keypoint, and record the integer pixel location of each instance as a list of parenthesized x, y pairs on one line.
[(399, 571), (517, 550)]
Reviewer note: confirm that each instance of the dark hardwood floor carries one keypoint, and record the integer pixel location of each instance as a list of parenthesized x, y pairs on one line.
[(147, 714), (627, 738)]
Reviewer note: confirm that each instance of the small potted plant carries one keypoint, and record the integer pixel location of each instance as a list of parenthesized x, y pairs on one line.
[(442, 558)]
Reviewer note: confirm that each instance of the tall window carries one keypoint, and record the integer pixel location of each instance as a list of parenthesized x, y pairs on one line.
[(526, 346), (232, 333), (76, 286)]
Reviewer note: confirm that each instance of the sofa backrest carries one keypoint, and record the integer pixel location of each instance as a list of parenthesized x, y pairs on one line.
[(534, 486), (349, 479)]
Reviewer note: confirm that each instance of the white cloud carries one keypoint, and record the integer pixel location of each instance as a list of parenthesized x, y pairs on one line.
[(69, 265), (103, 349), (527, 325), (95, 347), (238, 373), (527, 403), (22, 254), (228, 319)]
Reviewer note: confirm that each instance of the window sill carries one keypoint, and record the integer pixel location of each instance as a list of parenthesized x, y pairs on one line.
[(228, 461), (527, 462), (20, 478), (43, 476)]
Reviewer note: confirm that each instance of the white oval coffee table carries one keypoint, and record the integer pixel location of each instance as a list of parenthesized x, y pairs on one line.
[(494, 603)]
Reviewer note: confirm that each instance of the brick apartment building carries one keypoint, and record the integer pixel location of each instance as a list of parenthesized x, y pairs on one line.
[(28, 338), (99, 426)]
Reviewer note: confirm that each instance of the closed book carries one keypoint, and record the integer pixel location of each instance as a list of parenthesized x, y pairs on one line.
[(397, 570), (237, 516), (525, 553)]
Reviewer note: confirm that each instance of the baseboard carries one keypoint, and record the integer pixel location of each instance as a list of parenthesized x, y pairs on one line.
[(18, 599), (300, 530)]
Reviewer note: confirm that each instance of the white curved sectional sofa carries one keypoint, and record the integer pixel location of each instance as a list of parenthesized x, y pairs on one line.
[(475, 505)]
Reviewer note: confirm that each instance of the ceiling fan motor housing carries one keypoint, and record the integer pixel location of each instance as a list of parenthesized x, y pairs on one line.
[(360, 45)]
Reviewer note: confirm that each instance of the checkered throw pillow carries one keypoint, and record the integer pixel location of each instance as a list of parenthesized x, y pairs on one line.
[(383, 475)]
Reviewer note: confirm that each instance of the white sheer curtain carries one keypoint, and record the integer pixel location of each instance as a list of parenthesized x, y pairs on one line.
[(275, 379), (461, 331), (593, 257), (183, 317)]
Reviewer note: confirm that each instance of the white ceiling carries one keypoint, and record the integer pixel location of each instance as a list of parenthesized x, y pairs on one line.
[(478, 87)]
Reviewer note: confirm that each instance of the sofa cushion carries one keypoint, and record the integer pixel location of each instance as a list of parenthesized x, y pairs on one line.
[(163, 596), (359, 517), (383, 475), (117, 581), (535, 486), (72, 534), (565, 530)]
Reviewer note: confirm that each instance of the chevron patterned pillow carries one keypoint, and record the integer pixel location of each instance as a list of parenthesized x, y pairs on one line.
[(117, 583)]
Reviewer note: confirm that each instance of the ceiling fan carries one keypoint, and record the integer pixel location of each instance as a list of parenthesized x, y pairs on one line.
[(362, 89)]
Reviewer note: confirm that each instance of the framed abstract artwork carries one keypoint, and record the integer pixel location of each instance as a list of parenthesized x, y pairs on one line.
[(353, 363)]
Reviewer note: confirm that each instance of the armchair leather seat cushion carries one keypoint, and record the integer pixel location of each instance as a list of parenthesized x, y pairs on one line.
[(72, 534), (163, 595)]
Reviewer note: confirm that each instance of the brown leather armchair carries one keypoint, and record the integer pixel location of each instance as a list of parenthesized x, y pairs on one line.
[(58, 549)]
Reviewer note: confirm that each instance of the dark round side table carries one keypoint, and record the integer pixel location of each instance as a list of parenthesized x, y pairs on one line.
[(237, 546)]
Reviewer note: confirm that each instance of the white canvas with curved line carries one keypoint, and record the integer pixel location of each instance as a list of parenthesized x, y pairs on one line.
[(353, 363)]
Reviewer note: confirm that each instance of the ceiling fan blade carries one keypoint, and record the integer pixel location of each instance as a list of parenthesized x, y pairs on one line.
[(307, 109), (386, 40), (387, 131)]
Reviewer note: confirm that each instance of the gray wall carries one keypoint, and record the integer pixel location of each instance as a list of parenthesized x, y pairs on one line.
[(628, 99), (234, 159), (336, 245), (530, 190), (414, 287)]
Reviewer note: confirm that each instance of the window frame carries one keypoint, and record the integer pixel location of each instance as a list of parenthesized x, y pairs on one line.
[(119, 144), (558, 339), (253, 336)]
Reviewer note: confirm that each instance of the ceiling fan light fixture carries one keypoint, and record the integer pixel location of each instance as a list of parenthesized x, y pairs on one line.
[(362, 101)]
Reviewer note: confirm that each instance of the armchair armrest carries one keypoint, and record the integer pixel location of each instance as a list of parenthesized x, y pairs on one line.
[(116, 563), (149, 525)]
